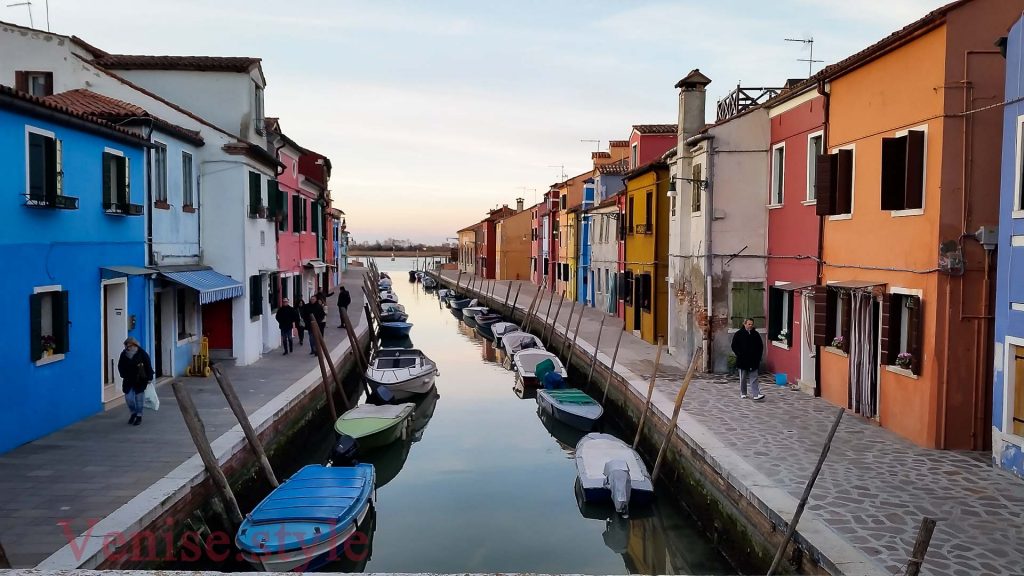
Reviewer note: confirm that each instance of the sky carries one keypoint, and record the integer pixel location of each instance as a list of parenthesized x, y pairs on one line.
[(434, 112)]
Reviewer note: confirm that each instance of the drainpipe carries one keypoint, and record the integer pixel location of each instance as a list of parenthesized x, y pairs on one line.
[(821, 231), (708, 259)]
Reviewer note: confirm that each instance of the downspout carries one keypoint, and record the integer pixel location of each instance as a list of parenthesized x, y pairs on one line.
[(827, 96), (708, 259)]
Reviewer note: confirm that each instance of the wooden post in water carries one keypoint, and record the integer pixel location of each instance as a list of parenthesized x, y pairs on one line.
[(547, 314), (551, 332), (369, 327), (532, 312), (458, 281), (508, 293), (198, 433), (597, 348), (575, 335), (807, 494), (675, 413), (335, 381), (315, 329), (243, 420), (650, 393), (924, 538), (568, 324), (512, 312), (357, 355), (5, 564)]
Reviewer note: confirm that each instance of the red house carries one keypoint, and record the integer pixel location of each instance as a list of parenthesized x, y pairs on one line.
[(648, 142), (797, 120), (488, 253)]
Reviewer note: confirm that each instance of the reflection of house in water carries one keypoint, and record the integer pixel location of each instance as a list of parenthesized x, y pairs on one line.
[(489, 352)]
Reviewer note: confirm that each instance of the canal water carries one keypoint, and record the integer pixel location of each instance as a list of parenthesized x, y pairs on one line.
[(483, 484)]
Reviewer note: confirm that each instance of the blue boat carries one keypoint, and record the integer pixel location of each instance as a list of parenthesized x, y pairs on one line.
[(303, 524), (395, 328)]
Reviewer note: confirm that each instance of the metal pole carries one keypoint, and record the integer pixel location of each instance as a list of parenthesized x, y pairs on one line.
[(576, 334), (650, 393), (675, 413), (807, 493), (924, 538), (243, 421), (314, 332), (597, 348), (568, 323)]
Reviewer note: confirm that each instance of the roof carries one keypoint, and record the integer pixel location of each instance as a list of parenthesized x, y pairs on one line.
[(619, 167), (612, 200), (594, 155), (40, 103), (656, 128), (693, 79), (95, 105), (649, 167), (254, 152), (194, 63), (618, 144)]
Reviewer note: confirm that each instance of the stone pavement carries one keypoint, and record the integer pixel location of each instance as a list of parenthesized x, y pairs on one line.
[(84, 472), (874, 487)]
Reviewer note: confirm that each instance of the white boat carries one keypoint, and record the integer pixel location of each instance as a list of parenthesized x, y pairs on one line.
[(443, 293), (472, 311), (406, 372), (513, 342), (526, 362), (385, 283), (501, 328), (388, 296), (609, 469), (570, 406)]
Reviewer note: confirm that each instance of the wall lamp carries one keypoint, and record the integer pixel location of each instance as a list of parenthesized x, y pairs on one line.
[(702, 185)]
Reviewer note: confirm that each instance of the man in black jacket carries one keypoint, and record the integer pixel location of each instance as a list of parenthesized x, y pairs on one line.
[(344, 299), (748, 348), (136, 372), (287, 319), (314, 312)]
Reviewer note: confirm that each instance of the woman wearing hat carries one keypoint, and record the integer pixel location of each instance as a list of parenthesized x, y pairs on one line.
[(136, 372)]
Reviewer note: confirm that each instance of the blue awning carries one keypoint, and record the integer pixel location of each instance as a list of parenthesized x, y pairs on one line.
[(211, 285)]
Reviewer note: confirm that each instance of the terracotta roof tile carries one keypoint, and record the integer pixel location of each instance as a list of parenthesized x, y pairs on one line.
[(199, 63), (656, 128), (594, 155), (8, 92), (619, 167), (102, 107), (618, 144)]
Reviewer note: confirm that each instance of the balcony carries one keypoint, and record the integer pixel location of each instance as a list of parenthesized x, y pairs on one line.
[(53, 201), (123, 208), (644, 229)]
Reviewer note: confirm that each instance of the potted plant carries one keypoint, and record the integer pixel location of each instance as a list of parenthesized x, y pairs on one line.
[(783, 336), (904, 360), (839, 342), (49, 344)]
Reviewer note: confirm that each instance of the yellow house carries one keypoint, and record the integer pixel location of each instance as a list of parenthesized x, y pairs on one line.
[(512, 257), (467, 248), (570, 197), (645, 288)]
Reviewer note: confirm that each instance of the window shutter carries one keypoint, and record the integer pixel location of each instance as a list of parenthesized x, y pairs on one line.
[(282, 225), (844, 182), (894, 172), (825, 173), (125, 193), (889, 306), (914, 330), (775, 296), (740, 295), (915, 169), (37, 166), (755, 304), (847, 318), (48, 83), (821, 313), (107, 179), (51, 149), (21, 81), (35, 320), (61, 322), (273, 198)]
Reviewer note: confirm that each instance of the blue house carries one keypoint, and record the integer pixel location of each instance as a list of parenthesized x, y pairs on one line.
[(1008, 388), (585, 277), (74, 241)]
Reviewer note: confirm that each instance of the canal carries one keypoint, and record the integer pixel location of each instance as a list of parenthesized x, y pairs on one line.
[(484, 485)]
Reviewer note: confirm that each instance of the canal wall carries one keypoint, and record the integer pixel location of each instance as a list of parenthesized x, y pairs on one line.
[(742, 511), (148, 532)]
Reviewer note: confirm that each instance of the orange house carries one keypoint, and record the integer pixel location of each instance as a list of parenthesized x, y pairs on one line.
[(903, 308)]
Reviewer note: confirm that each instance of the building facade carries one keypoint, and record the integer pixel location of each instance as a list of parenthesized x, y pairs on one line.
[(513, 253), (643, 283)]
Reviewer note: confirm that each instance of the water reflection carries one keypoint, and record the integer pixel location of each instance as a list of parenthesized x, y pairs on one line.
[(566, 436), (388, 460), (423, 413), (357, 551), (396, 341)]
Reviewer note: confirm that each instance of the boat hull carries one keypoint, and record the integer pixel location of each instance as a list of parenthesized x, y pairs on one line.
[(408, 388), (395, 328), (593, 452), (582, 417)]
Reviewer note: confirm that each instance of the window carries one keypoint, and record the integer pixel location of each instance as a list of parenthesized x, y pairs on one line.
[(645, 291), (45, 174), (627, 288), (258, 119), (282, 221), (778, 174), (780, 315), (1018, 206), (831, 317), (648, 210), (48, 322), (672, 204), (273, 199), (1016, 361), (903, 171), (747, 302), (187, 179), (834, 183), (815, 145), (274, 294), (256, 207), (185, 307), (35, 83), (547, 265), (695, 193), (629, 226), (565, 272), (563, 200), (255, 296), (296, 288), (634, 155), (116, 185), (901, 331), (297, 213), (160, 175)]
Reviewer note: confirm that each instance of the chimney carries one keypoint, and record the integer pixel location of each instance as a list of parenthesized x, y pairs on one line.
[(692, 98), (519, 205)]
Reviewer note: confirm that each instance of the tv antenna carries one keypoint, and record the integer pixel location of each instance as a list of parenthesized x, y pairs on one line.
[(598, 142), (534, 190), (561, 168), (809, 42)]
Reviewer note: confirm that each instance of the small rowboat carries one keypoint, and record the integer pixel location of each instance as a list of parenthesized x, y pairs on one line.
[(387, 296), (513, 342), (526, 362), (405, 372), (472, 311), (375, 426), (395, 328), (501, 328), (570, 406), (484, 323), (609, 469), (460, 304)]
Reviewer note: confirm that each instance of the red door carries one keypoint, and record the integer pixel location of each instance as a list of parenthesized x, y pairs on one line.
[(217, 324)]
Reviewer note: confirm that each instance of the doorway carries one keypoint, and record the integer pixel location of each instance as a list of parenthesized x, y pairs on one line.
[(864, 351), (637, 312), (217, 320), (115, 331), (807, 349)]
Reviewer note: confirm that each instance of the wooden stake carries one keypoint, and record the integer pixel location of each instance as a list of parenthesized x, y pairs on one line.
[(611, 369), (575, 335), (597, 348), (5, 564), (924, 538), (650, 394), (568, 323), (533, 307), (551, 332), (243, 420), (369, 327), (357, 355), (529, 314), (547, 315), (314, 332), (675, 413), (508, 293), (198, 433), (807, 493), (458, 281)]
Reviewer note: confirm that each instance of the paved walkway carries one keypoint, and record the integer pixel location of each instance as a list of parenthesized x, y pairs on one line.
[(874, 488), (89, 469)]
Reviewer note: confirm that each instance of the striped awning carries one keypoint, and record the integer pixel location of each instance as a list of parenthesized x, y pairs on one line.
[(211, 285)]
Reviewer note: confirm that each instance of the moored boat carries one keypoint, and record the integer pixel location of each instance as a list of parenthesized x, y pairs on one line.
[(475, 310), (462, 303), (388, 296), (412, 275), (513, 342), (484, 323), (526, 363), (501, 328), (429, 283), (392, 312), (375, 426), (570, 406), (405, 372), (395, 328), (608, 468)]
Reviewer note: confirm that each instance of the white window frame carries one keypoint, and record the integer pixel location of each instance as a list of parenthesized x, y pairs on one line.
[(188, 183), (103, 196), (1009, 384), (634, 154), (157, 175), (924, 176), (28, 158), (777, 182), (1018, 204), (919, 294), (190, 316), (787, 314), (853, 183), (45, 290), (812, 168)]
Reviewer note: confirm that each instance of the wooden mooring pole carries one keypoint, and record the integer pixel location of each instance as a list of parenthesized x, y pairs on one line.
[(675, 413), (507, 294), (650, 394), (314, 332), (924, 538), (611, 369), (575, 335), (531, 312), (515, 301), (807, 494), (458, 281), (369, 328), (357, 355), (243, 420), (547, 314), (198, 433), (597, 348), (553, 321), (568, 324)]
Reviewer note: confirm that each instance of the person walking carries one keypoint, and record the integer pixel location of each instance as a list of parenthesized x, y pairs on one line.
[(300, 326), (344, 299), (748, 348), (136, 372), (287, 320), (314, 312)]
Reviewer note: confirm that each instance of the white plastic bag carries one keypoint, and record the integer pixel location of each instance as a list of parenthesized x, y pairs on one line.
[(149, 399)]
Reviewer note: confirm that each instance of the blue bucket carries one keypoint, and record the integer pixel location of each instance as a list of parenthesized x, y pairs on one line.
[(780, 379)]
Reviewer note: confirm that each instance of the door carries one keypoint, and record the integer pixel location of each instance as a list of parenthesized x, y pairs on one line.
[(1017, 417), (807, 352), (637, 313), (217, 324), (158, 333), (115, 327)]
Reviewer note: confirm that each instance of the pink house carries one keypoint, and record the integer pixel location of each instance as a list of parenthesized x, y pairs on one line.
[(647, 143)]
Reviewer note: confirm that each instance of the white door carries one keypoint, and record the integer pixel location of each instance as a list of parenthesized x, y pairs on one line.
[(115, 328), (807, 358)]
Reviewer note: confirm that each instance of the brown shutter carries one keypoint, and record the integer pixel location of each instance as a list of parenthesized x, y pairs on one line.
[(847, 319), (894, 172), (886, 357), (48, 83), (915, 170), (844, 182), (825, 184), (821, 316), (914, 330), (21, 81)]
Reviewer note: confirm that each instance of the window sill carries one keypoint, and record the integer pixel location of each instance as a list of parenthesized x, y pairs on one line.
[(840, 217), (161, 205), (49, 359), (774, 206), (782, 345), (810, 202), (836, 351), (696, 214), (1017, 214), (188, 209), (902, 372), (905, 213), (187, 340)]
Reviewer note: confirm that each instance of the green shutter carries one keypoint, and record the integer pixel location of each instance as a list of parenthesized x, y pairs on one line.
[(107, 178), (282, 224), (60, 322), (52, 185), (739, 304), (273, 198), (58, 166), (755, 303), (36, 166), (255, 195), (35, 320), (296, 213)]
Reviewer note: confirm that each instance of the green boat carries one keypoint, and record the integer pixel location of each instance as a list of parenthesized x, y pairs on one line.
[(375, 426)]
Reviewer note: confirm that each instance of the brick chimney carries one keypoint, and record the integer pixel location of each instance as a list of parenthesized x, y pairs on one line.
[(519, 205)]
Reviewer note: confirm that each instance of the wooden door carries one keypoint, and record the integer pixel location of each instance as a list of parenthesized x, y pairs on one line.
[(217, 324), (1018, 390)]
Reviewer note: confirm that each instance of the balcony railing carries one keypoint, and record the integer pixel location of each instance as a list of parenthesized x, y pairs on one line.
[(58, 201), (123, 208), (257, 211)]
